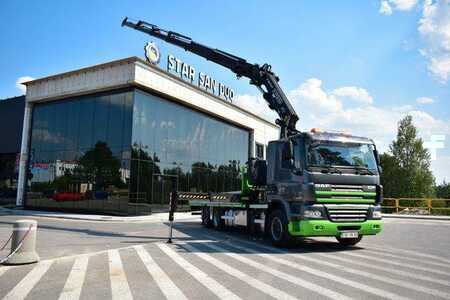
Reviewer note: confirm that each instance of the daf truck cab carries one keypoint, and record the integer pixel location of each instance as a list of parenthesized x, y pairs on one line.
[(321, 184)]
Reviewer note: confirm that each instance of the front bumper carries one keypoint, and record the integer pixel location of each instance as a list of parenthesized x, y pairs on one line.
[(328, 228)]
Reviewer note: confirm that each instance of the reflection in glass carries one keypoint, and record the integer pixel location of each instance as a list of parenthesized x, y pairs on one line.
[(203, 153), (79, 153)]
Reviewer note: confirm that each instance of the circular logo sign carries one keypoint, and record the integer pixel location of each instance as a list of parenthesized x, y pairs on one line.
[(152, 53)]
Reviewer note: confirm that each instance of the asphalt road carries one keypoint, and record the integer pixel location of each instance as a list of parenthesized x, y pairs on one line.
[(410, 259)]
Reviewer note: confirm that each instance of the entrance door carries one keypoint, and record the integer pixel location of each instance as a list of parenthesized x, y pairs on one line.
[(161, 187)]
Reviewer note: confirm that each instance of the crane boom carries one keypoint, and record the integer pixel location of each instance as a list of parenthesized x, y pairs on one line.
[(260, 76)]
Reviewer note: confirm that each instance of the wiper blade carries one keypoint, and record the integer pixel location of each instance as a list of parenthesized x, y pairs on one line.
[(330, 169), (363, 171)]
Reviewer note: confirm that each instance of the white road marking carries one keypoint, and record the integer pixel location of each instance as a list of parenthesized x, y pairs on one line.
[(388, 270), (74, 282), (282, 275), (316, 272), (167, 287), (215, 287), (119, 284), (438, 264), (21, 290), (410, 252), (388, 280), (391, 262), (257, 284)]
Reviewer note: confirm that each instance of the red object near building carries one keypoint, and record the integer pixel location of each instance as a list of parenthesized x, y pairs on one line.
[(63, 196)]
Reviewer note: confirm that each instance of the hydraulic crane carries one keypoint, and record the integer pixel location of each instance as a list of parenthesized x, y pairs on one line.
[(261, 76)]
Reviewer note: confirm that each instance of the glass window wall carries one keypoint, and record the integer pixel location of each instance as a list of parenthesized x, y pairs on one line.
[(172, 141), (117, 152), (80, 152)]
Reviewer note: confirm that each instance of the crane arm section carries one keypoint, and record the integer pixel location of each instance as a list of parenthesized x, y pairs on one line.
[(260, 76)]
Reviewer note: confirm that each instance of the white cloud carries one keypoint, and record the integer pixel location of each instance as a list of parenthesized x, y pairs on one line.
[(440, 168), (439, 67), (21, 86), (425, 100), (319, 108), (354, 93), (403, 5), (315, 98), (385, 8), (434, 28), (256, 105)]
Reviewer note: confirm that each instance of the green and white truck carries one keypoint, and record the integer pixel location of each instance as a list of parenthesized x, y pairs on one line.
[(311, 183)]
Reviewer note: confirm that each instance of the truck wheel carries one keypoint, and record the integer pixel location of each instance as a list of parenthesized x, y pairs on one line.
[(278, 229), (349, 242), (217, 222), (206, 220)]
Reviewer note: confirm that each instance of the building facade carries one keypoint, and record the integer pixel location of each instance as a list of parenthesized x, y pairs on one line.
[(110, 138), (11, 120)]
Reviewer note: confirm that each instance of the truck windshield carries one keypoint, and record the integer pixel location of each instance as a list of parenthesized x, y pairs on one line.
[(346, 155)]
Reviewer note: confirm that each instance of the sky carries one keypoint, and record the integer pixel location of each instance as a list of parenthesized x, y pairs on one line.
[(356, 66)]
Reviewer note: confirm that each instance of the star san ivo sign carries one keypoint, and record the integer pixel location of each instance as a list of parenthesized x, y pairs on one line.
[(202, 80)]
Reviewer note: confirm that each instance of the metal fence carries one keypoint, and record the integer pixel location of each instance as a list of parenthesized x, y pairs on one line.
[(433, 206)]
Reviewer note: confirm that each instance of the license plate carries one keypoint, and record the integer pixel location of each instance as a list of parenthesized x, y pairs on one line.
[(349, 234)]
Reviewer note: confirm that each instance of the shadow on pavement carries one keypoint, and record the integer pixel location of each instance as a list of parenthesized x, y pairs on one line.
[(262, 245)]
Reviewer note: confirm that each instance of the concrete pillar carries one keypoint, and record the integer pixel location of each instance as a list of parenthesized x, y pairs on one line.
[(23, 236), (252, 144), (26, 134)]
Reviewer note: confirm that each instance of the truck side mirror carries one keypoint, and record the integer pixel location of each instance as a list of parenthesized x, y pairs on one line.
[(287, 155), (377, 156), (378, 160)]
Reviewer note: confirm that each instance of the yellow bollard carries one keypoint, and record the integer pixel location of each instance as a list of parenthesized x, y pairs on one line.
[(429, 205)]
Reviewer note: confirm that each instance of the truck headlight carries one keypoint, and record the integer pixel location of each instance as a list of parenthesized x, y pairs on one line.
[(312, 214), (376, 213)]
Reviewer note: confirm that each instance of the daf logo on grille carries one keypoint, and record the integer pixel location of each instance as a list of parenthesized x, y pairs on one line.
[(152, 53), (323, 185)]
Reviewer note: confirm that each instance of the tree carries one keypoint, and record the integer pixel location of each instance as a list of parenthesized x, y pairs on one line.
[(443, 190), (406, 169), (100, 167), (390, 175)]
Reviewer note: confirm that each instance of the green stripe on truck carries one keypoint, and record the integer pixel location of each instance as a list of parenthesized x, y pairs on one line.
[(346, 193), (344, 200)]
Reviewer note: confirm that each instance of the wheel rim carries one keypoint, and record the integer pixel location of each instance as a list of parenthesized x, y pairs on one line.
[(276, 229)]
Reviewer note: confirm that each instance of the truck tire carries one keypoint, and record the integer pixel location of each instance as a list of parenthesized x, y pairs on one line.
[(206, 220), (217, 222), (278, 229), (349, 242)]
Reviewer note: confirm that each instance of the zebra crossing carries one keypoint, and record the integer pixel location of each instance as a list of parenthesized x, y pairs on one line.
[(232, 269)]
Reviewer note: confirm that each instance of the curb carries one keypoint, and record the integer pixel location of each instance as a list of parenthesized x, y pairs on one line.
[(416, 217), (154, 218)]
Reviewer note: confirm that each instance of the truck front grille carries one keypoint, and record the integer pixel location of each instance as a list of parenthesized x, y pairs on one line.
[(345, 194), (347, 213)]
